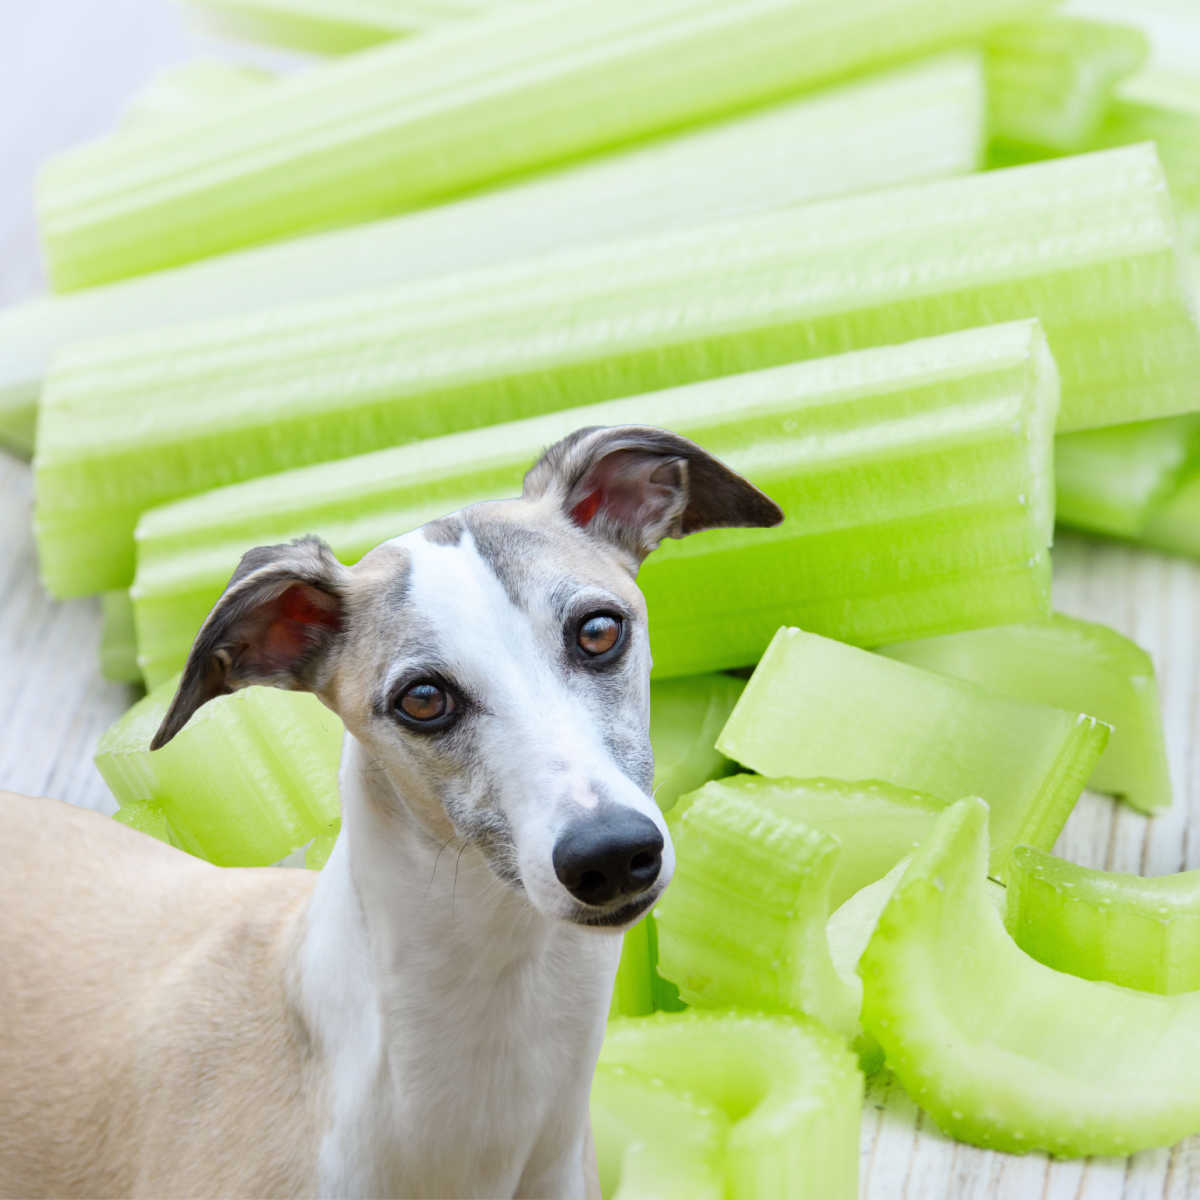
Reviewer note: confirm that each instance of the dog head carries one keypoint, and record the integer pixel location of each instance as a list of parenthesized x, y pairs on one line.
[(495, 663)]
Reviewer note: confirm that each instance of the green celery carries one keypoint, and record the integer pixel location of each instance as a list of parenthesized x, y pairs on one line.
[(186, 92), (118, 639), (412, 123), (1133, 931), (1174, 526), (1110, 480), (685, 717), (1002, 1051), (790, 1090), (1087, 243), (1050, 81), (918, 121), (252, 778), (875, 824), (1072, 664), (815, 707), (915, 480), (743, 923)]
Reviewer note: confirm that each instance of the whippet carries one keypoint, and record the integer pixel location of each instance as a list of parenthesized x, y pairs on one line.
[(422, 1017)]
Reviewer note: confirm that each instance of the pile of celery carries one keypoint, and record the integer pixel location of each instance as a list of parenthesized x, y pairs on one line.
[(347, 300)]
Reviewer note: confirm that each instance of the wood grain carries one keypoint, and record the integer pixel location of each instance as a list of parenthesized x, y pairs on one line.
[(63, 78)]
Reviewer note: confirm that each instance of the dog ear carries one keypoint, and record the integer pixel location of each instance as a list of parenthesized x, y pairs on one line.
[(634, 485), (274, 624)]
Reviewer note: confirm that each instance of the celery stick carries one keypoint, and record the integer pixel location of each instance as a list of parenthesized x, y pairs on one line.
[(1002, 1051), (1109, 480), (790, 1089), (1050, 81), (685, 717), (918, 121), (633, 988), (412, 123), (743, 923), (146, 818), (815, 707), (651, 1140), (1072, 664), (186, 92), (915, 479), (240, 398), (118, 640), (1174, 526), (252, 778), (1138, 932), (875, 824)]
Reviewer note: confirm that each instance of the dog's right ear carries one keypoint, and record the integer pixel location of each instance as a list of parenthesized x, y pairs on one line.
[(275, 623)]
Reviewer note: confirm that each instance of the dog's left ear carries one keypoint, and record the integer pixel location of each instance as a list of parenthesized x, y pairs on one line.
[(276, 623), (634, 485)]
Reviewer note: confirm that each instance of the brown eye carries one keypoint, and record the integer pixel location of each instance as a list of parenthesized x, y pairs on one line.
[(426, 702), (599, 633)]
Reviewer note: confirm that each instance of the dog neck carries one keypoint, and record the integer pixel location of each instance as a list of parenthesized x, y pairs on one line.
[(444, 1003)]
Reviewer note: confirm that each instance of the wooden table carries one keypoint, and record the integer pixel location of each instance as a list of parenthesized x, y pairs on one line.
[(64, 78)]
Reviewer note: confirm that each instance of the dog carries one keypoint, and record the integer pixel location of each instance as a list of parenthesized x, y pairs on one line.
[(423, 1016)]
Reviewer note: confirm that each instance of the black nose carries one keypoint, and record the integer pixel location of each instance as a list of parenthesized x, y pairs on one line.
[(609, 855)]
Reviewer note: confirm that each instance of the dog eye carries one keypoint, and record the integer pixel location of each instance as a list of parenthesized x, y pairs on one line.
[(599, 633), (426, 703)]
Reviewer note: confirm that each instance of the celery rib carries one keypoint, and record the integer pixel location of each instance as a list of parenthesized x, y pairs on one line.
[(411, 123), (244, 398), (1002, 1051), (1072, 664), (1138, 932), (922, 120), (915, 480), (815, 707)]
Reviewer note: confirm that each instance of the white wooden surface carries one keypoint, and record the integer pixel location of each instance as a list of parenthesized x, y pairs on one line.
[(66, 66)]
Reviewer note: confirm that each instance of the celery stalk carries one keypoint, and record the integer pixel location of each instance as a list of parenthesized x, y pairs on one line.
[(118, 639), (412, 123), (874, 824), (1002, 1051), (918, 121), (915, 479), (685, 717), (238, 399), (1050, 81), (743, 923), (633, 988), (791, 1091), (814, 707), (1174, 526), (186, 92), (1137, 932), (1072, 664)]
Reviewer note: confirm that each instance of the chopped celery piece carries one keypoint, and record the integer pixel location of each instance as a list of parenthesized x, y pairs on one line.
[(252, 778), (145, 818), (791, 1091), (1072, 664), (875, 824), (633, 989), (1086, 243), (1109, 480), (653, 1141), (1175, 525), (743, 923), (1138, 932), (815, 707), (1050, 81), (118, 640), (331, 26), (685, 717), (915, 479), (1002, 1051), (186, 91), (412, 123), (918, 121)]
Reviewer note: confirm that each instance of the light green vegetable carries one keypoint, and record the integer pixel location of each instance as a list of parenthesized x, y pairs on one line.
[(685, 717), (915, 480), (1072, 664), (790, 1090), (1002, 1051), (1051, 80), (413, 123), (118, 639), (1175, 525), (918, 121), (743, 923), (815, 707), (188, 91), (1138, 932)]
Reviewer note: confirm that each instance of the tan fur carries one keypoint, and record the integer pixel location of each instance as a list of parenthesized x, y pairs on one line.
[(142, 986)]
